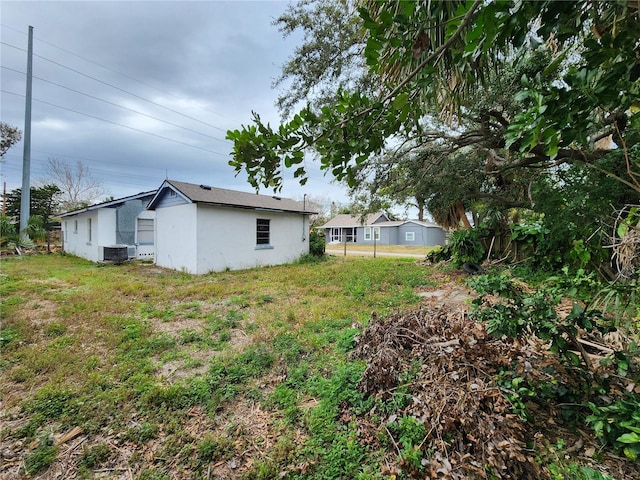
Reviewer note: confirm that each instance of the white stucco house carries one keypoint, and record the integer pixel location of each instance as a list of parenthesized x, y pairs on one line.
[(193, 228), (123, 225), (202, 229), (377, 228)]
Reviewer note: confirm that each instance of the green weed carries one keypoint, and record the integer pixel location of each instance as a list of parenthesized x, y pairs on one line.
[(212, 449), (410, 433), (189, 335), (40, 459), (7, 336), (55, 329), (94, 456), (142, 433)]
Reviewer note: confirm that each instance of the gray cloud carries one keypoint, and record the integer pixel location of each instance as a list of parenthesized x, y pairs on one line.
[(203, 66)]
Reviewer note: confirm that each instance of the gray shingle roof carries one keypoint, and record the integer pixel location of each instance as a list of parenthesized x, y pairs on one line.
[(347, 220), (233, 198), (377, 219)]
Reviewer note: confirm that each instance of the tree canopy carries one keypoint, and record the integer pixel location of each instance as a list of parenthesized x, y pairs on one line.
[(329, 59), (447, 82), (44, 203), (78, 188)]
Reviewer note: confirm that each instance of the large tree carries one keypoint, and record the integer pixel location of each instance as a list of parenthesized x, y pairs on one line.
[(435, 60), (44, 206), (44, 202), (328, 60), (78, 187)]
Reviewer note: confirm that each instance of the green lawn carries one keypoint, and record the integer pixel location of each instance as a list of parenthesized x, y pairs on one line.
[(136, 372), (158, 374)]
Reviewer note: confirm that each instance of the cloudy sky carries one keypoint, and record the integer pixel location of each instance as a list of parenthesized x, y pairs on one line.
[(138, 91)]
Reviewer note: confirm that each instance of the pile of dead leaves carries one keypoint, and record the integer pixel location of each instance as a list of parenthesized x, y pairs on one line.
[(471, 430)]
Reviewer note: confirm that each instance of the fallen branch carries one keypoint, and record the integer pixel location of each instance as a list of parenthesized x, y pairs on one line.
[(596, 346), (455, 341)]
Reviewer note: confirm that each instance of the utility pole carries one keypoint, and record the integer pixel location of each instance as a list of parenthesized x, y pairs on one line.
[(25, 196)]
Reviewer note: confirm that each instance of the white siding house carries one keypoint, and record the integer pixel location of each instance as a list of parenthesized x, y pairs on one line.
[(202, 229), (192, 228), (86, 232)]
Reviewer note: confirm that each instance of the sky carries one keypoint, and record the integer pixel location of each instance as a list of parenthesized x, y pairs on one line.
[(143, 91)]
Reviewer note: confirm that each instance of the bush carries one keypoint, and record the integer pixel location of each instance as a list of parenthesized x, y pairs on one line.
[(317, 244), (465, 247)]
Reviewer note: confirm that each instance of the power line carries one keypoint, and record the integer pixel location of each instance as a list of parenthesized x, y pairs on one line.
[(88, 60), (118, 124), (116, 87), (107, 176), (129, 93), (118, 105)]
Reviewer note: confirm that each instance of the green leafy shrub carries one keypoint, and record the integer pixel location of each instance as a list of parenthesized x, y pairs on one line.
[(439, 254), (531, 237), (317, 244), (521, 311), (465, 247), (618, 424)]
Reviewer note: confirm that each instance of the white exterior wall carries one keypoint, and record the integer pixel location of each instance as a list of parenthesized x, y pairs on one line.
[(176, 241), (103, 228), (227, 239)]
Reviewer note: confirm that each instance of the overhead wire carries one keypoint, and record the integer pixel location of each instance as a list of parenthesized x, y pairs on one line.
[(123, 177), (114, 86), (107, 173), (116, 123), (128, 93), (88, 60), (61, 65), (117, 105)]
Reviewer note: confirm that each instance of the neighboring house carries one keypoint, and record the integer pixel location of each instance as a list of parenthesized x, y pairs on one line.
[(116, 223), (377, 228), (202, 229)]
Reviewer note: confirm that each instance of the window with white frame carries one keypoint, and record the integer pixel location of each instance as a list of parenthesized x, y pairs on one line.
[(369, 230), (89, 230), (263, 230), (75, 226), (410, 236), (145, 231)]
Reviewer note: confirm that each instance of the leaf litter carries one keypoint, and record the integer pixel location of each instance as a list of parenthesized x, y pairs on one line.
[(471, 430)]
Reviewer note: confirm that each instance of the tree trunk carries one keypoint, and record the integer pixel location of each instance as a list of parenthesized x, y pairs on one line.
[(462, 215)]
